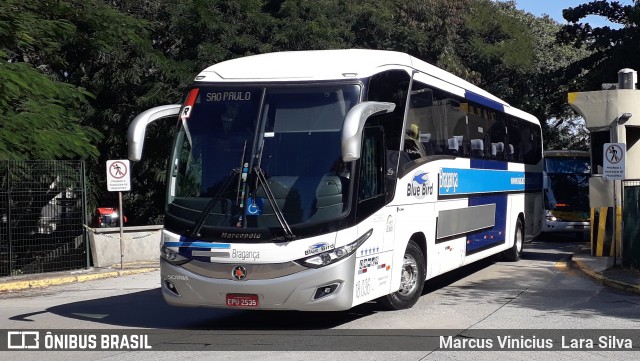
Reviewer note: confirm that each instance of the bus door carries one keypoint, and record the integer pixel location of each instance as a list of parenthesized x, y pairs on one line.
[(374, 257)]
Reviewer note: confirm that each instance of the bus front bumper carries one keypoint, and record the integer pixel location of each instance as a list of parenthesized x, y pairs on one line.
[(562, 226), (302, 291)]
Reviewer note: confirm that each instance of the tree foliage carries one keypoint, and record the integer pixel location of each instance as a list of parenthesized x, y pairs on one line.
[(543, 87), (41, 116), (74, 73), (611, 49)]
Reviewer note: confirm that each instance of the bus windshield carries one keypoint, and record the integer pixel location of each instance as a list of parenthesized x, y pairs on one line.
[(291, 135), (568, 183)]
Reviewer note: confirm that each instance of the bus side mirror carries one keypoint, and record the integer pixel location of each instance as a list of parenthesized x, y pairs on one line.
[(138, 127), (354, 124)]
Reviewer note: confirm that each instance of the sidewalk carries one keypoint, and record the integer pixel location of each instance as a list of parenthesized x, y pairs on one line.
[(602, 270), (25, 282)]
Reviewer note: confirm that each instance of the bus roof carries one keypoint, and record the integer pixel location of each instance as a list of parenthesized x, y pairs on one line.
[(566, 153), (315, 65)]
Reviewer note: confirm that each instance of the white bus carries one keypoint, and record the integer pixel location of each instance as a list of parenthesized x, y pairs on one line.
[(566, 192), (320, 180)]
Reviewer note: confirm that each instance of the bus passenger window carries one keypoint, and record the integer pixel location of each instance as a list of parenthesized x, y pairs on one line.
[(412, 144), (531, 140), (477, 148), (497, 150), (440, 119), (371, 165), (497, 135), (425, 139), (511, 152), (514, 138), (454, 146)]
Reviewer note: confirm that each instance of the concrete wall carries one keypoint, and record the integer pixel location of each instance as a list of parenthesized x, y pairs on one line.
[(140, 244), (602, 109), (618, 112)]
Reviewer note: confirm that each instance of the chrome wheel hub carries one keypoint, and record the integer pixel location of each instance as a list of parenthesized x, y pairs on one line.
[(409, 278)]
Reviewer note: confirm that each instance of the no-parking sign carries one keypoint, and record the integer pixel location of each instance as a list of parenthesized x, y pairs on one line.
[(118, 177)]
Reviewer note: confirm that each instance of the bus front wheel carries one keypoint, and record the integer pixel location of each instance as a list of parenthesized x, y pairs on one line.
[(411, 280), (514, 253)]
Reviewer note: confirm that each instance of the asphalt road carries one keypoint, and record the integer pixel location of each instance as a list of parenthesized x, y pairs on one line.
[(536, 293)]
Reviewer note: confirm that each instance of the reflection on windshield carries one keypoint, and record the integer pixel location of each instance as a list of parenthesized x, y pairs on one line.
[(568, 183), (568, 165), (567, 192), (293, 135)]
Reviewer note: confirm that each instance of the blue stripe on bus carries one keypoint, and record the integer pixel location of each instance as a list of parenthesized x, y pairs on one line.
[(484, 101), (494, 235), (454, 181), (199, 245), (497, 172)]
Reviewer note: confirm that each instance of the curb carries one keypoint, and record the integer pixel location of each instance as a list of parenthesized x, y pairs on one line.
[(54, 281), (564, 263), (601, 279)]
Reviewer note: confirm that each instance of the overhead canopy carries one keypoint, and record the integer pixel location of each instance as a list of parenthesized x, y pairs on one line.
[(601, 108)]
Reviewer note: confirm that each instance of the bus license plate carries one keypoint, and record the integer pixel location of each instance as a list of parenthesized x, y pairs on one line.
[(242, 300)]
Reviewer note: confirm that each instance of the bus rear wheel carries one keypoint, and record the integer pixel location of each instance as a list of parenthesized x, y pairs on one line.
[(411, 280), (514, 253)]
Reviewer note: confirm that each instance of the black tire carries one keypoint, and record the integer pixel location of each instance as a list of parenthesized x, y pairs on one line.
[(411, 282), (514, 253)]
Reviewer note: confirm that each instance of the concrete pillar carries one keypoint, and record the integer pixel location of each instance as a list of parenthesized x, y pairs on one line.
[(614, 112)]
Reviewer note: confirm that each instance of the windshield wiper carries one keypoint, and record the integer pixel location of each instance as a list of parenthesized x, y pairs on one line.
[(217, 197), (288, 234)]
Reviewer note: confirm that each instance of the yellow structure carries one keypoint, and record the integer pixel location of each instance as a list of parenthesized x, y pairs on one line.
[(612, 116)]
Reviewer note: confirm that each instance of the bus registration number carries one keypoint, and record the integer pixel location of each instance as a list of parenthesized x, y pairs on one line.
[(242, 300)]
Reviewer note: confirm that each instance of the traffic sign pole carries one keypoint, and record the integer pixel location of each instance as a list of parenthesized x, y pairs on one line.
[(121, 231), (119, 179), (615, 221)]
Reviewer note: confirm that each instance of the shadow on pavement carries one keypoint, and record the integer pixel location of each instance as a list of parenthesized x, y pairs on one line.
[(147, 309)]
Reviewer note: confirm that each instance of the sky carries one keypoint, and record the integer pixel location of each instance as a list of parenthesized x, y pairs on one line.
[(554, 8)]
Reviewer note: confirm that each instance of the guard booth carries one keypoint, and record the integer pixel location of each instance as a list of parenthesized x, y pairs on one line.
[(612, 115)]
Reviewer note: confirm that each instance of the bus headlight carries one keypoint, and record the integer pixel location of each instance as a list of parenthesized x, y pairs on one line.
[(549, 216), (172, 256), (335, 255)]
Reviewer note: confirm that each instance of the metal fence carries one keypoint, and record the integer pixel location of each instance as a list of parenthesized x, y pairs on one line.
[(42, 205), (630, 219)]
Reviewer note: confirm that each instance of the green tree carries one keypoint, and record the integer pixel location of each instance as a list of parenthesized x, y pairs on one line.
[(612, 49), (40, 116), (517, 57), (114, 58), (309, 25), (85, 68), (498, 46), (183, 37), (76, 74)]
